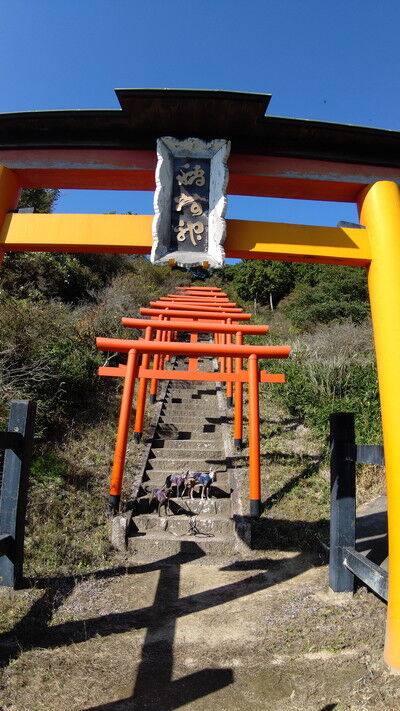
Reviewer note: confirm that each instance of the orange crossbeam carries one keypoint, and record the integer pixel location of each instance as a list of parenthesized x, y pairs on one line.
[(190, 313), (195, 326), (200, 297), (240, 376), (196, 299), (203, 290), (193, 307), (192, 349)]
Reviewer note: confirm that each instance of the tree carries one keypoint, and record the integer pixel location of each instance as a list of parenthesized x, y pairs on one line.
[(41, 199), (263, 281), (50, 275), (328, 293)]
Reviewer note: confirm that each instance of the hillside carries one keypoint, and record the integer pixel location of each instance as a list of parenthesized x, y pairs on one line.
[(269, 618), (53, 307)]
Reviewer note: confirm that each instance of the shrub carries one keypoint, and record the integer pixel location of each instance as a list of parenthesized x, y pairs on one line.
[(344, 383), (331, 293)]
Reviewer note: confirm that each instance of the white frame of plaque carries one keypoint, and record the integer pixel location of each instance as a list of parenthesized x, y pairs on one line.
[(169, 148)]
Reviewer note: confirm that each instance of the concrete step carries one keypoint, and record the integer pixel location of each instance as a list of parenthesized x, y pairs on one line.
[(194, 406), (190, 395), (154, 479), (188, 436), (183, 525), (205, 445), (200, 395), (172, 433), (162, 544), (186, 452), (155, 472), (157, 481), (178, 463), (180, 507), (220, 491), (184, 411), (180, 418)]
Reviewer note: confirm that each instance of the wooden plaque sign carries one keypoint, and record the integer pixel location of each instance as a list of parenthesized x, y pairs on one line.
[(190, 202)]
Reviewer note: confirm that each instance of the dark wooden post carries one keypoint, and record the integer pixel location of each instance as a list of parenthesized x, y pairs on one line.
[(18, 442), (343, 499)]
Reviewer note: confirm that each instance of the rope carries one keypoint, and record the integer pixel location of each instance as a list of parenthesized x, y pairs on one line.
[(193, 528)]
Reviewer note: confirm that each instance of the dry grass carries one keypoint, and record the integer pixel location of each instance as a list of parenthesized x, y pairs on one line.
[(67, 522), (328, 341), (371, 482)]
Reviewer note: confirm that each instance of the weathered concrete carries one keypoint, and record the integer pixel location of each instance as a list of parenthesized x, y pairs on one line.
[(188, 436)]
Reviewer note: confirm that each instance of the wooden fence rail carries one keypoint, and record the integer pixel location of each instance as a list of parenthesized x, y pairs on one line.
[(345, 563), (17, 443)]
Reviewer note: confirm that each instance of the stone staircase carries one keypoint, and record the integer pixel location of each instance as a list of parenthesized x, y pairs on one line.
[(190, 433)]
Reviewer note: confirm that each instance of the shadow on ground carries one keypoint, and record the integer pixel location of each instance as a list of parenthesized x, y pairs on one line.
[(154, 688)]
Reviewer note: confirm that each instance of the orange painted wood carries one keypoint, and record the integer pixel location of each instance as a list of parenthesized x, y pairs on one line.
[(193, 362), (199, 297), (196, 301), (192, 349), (238, 377), (193, 307), (156, 364), (142, 389), (229, 363), (188, 375), (204, 315), (196, 326), (258, 175), (238, 402), (123, 424), (112, 371), (271, 377), (254, 431)]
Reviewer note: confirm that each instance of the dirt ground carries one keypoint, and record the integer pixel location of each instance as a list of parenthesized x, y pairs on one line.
[(253, 633), (261, 633)]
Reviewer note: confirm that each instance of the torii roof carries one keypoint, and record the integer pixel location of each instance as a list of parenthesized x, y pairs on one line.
[(146, 114)]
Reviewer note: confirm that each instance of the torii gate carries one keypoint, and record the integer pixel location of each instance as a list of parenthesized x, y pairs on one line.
[(271, 157), (195, 327), (165, 331), (252, 376), (167, 313)]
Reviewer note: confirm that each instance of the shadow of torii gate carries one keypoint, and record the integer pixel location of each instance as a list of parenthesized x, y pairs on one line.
[(271, 157)]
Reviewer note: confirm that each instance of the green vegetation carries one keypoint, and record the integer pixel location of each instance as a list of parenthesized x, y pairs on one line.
[(323, 313), (54, 305)]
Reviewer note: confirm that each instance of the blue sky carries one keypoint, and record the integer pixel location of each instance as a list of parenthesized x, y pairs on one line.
[(319, 60)]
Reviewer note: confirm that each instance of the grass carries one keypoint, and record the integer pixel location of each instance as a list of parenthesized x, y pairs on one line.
[(68, 534), (67, 522)]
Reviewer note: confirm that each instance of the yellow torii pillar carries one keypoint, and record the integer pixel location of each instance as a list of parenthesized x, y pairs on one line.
[(379, 207)]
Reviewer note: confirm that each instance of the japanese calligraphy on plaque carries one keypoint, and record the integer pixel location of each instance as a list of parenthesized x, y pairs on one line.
[(190, 202)]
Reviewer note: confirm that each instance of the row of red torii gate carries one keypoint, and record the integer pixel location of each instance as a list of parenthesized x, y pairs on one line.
[(193, 310)]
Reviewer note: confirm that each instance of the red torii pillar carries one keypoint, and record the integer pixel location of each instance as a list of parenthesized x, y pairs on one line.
[(223, 304), (192, 349), (195, 327), (226, 362), (166, 312)]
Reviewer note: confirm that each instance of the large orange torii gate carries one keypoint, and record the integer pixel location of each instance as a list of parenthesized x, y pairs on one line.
[(195, 327), (271, 156), (132, 371)]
